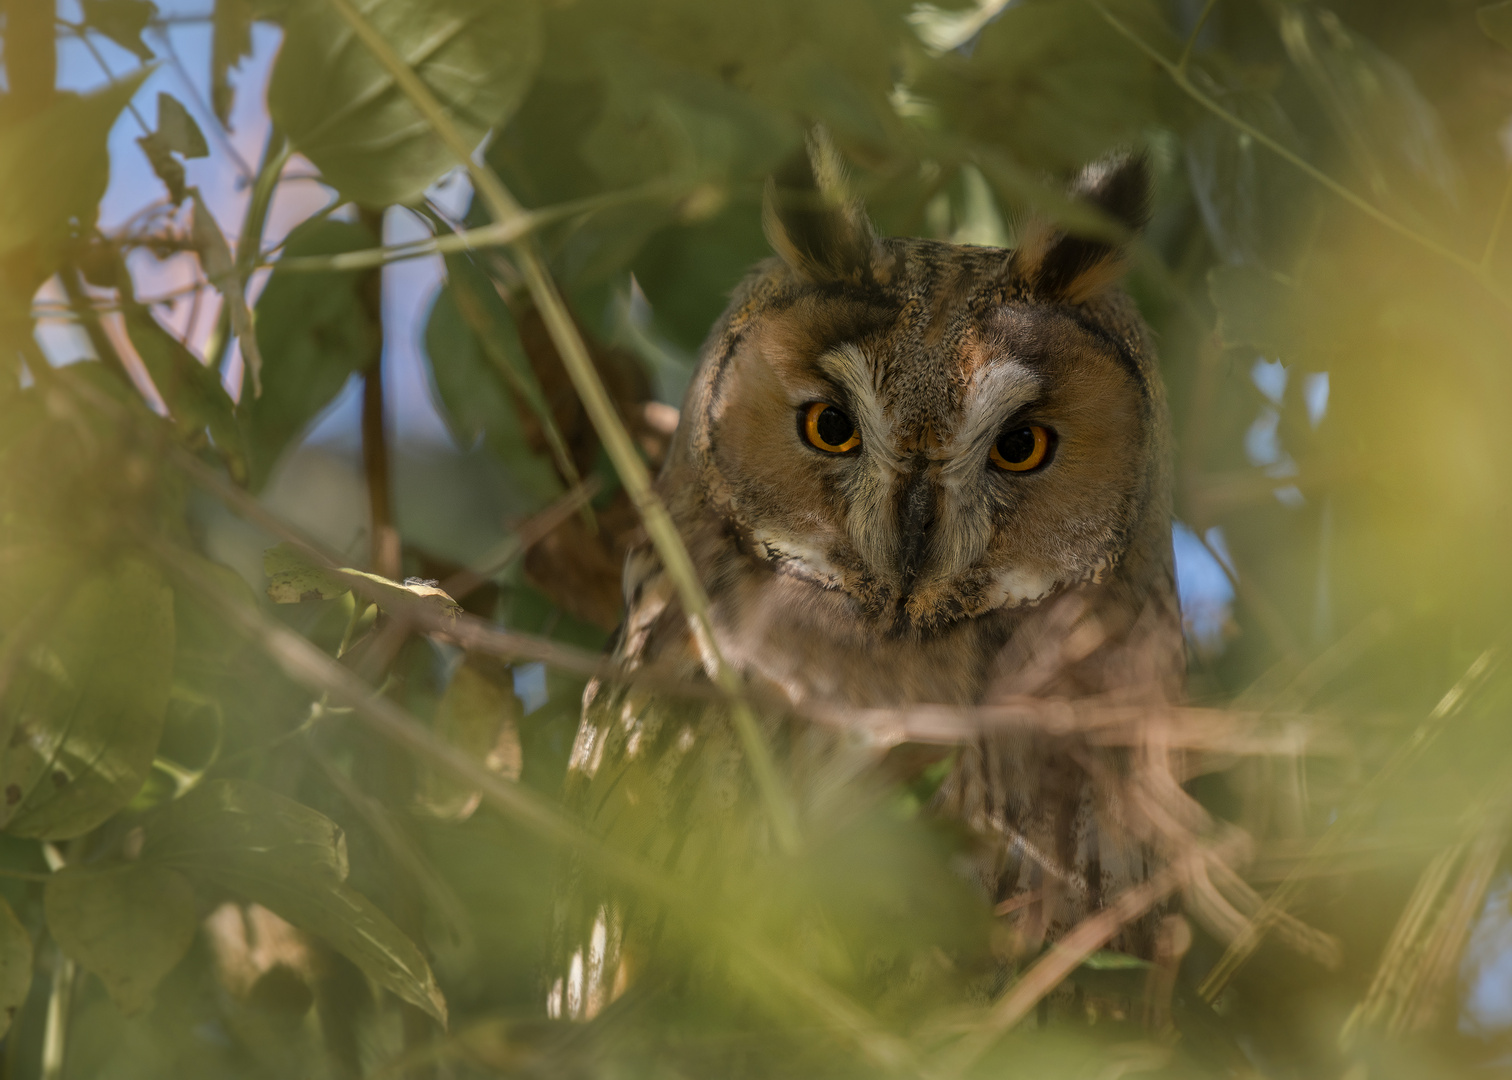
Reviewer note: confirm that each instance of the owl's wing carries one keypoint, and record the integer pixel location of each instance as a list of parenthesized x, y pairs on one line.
[(652, 777)]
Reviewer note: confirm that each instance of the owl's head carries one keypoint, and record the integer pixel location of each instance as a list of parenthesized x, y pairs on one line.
[(923, 433)]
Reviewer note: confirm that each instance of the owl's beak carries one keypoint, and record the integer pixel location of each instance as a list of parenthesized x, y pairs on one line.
[(916, 518)]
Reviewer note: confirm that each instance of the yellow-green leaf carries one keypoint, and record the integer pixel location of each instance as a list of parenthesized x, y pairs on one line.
[(15, 965), (81, 719), (342, 110), (130, 924), (281, 854)]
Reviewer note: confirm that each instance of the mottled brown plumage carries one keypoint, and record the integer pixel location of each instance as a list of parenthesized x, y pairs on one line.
[(911, 570)]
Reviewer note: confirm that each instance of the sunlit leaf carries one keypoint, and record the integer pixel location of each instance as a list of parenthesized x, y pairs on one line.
[(342, 110), (276, 852), (81, 718), (15, 965), (130, 924), (292, 579), (314, 333)]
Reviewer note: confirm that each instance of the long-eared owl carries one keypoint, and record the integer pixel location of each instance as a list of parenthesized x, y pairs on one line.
[(908, 472)]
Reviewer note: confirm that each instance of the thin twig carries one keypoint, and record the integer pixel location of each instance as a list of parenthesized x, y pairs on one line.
[(1191, 41), (495, 234)]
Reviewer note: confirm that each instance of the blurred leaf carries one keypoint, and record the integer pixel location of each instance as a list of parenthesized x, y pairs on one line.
[(191, 390), (292, 579), (1392, 133), (83, 714), (276, 852), (342, 110), (475, 365), (479, 714), (1496, 21), (1242, 190), (1255, 308), (230, 43), (177, 128), (1023, 93), (15, 965), (220, 269), (48, 180), (314, 332), (130, 924), (122, 21)]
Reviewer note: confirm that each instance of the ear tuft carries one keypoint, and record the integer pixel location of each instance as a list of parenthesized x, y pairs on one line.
[(811, 221), (1073, 269)]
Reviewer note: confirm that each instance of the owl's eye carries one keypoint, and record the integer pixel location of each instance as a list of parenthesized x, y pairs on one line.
[(829, 429), (1021, 449)]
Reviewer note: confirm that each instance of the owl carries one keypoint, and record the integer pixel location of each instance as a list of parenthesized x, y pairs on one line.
[(908, 472)]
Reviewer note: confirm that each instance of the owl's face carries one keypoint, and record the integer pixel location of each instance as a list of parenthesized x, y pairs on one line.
[(932, 432)]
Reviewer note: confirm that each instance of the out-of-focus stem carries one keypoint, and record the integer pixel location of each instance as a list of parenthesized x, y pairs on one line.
[(55, 1033), (385, 556)]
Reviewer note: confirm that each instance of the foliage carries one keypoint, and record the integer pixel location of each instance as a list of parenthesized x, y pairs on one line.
[(298, 818)]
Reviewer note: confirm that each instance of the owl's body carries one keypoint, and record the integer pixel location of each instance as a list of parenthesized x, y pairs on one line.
[(907, 472)]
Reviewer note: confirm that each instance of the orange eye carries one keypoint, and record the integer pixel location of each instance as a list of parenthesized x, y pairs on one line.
[(1021, 449), (829, 429)]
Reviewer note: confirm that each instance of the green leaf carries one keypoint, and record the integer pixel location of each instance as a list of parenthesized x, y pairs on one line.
[(130, 924), (1496, 22), (230, 42), (314, 333), (46, 179), (177, 128), (342, 110), (191, 390), (15, 965), (293, 580), (122, 21), (479, 714), (1394, 136), (1255, 308), (1108, 960), (472, 382), (278, 853), (81, 720)]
